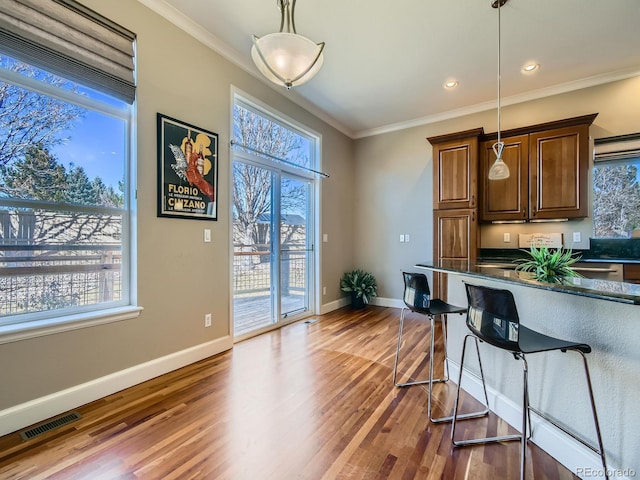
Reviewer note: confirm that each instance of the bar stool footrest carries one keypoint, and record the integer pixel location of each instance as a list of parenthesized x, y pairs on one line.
[(422, 382), (462, 416), (479, 441)]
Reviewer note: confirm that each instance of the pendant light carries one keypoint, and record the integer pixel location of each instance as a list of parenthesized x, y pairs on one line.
[(287, 58), (499, 169)]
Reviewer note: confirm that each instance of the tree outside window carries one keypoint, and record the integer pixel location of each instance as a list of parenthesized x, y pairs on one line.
[(616, 198)]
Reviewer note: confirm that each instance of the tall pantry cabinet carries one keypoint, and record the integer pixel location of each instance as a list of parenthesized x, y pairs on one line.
[(455, 199)]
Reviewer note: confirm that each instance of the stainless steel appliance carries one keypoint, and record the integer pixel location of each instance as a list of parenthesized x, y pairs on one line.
[(600, 270)]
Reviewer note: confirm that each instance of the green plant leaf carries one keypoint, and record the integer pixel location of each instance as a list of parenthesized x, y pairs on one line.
[(362, 283), (549, 265)]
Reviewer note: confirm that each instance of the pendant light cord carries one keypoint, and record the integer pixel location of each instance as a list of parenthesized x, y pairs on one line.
[(499, 75)]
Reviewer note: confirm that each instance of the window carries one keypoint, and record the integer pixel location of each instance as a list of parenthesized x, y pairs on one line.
[(616, 187), (67, 88), (64, 206)]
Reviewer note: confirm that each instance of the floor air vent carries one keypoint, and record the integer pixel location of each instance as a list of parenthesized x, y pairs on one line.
[(50, 425)]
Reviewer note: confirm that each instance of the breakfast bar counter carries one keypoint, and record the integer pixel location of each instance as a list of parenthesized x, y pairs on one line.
[(599, 289)]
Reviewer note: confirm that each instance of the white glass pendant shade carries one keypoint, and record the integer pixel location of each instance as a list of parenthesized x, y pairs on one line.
[(499, 169), (287, 59)]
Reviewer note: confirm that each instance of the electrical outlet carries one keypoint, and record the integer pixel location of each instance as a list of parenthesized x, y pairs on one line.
[(207, 320), (506, 237), (577, 237), (407, 237)]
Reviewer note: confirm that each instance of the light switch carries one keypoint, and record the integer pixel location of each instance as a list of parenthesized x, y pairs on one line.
[(401, 238), (207, 235), (325, 237), (577, 237)]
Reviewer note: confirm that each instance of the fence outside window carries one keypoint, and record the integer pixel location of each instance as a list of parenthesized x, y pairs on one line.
[(53, 260)]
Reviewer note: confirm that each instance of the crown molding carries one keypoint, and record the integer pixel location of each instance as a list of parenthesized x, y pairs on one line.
[(513, 100)]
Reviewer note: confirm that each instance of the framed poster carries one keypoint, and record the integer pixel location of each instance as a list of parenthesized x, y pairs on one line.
[(187, 170)]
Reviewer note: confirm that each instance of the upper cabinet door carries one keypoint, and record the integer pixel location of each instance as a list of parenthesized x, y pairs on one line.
[(455, 174), (558, 169), (506, 199)]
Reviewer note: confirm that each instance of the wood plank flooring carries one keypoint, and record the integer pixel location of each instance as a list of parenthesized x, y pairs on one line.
[(309, 401)]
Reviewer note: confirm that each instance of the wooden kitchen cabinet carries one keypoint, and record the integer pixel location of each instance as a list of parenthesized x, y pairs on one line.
[(455, 174), (549, 167), (455, 237), (559, 173), (631, 272), (455, 234), (506, 199), (455, 200)]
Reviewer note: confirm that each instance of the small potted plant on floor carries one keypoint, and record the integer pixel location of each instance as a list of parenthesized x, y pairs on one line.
[(361, 285), (549, 265)]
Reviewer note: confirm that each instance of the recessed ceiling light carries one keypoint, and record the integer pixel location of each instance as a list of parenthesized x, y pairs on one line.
[(530, 67), (451, 84)]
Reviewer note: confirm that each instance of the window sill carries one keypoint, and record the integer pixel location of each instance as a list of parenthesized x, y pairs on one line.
[(50, 326)]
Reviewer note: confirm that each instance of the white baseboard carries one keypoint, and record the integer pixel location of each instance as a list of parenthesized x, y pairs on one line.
[(33, 411), (344, 301), (582, 461), (335, 305), (387, 302)]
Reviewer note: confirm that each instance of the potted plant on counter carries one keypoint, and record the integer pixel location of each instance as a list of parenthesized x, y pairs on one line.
[(361, 285), (549, 265)]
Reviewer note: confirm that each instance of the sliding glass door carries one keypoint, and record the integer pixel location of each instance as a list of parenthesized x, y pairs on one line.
[(271, 279), (254, 276), (273, 219), (296, 246)]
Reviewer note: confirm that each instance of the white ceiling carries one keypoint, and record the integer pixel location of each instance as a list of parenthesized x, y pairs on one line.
[(386, 61)]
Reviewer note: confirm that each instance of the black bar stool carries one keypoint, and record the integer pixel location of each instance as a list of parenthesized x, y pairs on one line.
[(493, 318), (417, 298)]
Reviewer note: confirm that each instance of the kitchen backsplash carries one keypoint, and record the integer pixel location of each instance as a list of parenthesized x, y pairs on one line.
[(601, 248), (620, 248), (575, 233)]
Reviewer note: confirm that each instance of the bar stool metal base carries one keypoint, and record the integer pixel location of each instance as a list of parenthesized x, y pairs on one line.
[(431, 380), (523, 437), (502, 438)]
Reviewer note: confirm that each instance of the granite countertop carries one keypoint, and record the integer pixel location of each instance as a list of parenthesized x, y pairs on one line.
[(593, 288)]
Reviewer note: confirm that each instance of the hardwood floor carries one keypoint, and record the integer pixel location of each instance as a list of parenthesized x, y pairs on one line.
[(309, 401)]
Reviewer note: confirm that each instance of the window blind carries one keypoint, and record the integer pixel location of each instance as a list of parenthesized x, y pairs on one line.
[(71, 40), (622, 147)]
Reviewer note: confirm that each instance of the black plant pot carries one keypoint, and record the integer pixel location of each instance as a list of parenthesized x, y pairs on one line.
[(357, 302)]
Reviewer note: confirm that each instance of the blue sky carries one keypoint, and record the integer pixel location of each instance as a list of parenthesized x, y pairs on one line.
[(97, 143)]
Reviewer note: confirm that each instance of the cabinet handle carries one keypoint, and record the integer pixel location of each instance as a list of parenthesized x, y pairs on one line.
[(473, 200), (524, 213), (473, 216)]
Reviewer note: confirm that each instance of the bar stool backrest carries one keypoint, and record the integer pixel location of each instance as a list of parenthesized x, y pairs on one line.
[(417, 295), (493, 317)]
